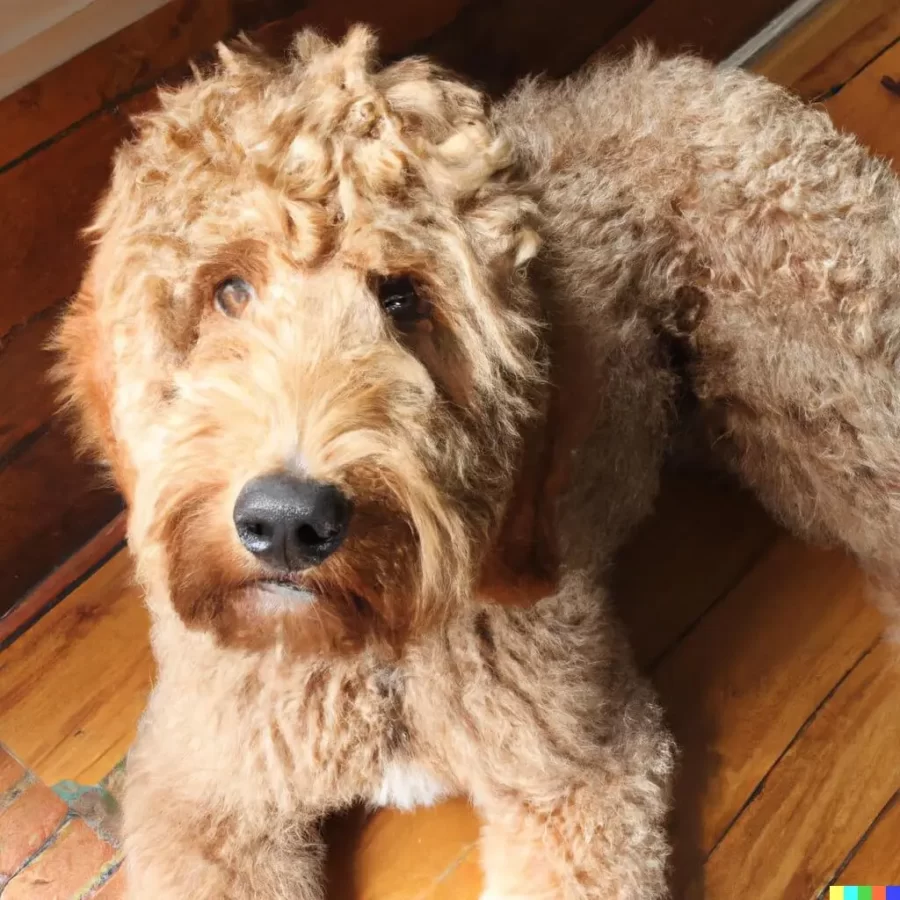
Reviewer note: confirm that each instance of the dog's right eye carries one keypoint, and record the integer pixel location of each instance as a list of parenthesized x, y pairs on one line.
[(232, 296), (401, 299)]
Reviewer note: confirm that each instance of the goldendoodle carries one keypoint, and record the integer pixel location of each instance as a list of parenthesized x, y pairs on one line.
[(386, 375)]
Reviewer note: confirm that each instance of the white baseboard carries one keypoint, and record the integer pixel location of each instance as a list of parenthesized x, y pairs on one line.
[(40, 35), (772, 32)]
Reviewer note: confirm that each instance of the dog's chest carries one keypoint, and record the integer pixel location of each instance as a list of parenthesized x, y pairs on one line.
[(406, 785)]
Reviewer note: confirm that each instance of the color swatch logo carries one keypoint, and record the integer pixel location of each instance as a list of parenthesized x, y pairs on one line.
[(855, 892)]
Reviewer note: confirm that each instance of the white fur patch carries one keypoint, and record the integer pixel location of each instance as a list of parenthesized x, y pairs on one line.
[(406, 786), (276, 598)]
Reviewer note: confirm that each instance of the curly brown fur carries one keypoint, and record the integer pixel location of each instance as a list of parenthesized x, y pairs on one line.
[(496, 449)]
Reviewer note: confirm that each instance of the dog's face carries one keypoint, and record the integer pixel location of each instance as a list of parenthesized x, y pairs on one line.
[(307, 345)]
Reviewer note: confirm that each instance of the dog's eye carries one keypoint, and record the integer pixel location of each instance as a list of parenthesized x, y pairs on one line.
[(400, 298), (232, 296)]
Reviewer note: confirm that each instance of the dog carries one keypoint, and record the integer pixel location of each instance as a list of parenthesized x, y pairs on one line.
[(386, 374)]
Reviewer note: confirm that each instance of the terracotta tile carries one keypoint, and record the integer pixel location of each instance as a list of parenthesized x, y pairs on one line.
[(11, 771), (95, 805), (26, 825), (66, 869), (114, 889)]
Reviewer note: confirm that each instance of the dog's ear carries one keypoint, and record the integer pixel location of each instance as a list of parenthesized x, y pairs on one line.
[(524, 563), (522, 566), (84, 371)]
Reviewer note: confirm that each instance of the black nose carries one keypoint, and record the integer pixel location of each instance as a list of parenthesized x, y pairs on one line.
[(291, 523)]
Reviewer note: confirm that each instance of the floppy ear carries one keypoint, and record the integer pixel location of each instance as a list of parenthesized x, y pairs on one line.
[(524, 564), (85, 373)]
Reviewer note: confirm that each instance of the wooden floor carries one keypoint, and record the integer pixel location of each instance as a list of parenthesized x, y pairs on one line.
[(779, 685)]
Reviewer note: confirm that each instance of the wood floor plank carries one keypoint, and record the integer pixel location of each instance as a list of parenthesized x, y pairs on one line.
[(400, 24), (499, 41), (23, 360), (832, 782), (837, 40), (79, 565), (51, 504), (743, 682), (877, 859), (702, 538), (42, 210), (712, 29), (73, 686), (462, 881), (436, 842), (866, 108)]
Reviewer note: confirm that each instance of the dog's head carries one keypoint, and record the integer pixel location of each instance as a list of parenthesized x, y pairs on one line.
[(306, 344)]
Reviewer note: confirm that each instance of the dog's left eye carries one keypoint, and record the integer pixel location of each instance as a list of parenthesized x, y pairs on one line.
[(400, 298), (232, 296)]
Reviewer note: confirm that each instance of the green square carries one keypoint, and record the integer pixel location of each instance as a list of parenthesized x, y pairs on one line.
[(864, 893)]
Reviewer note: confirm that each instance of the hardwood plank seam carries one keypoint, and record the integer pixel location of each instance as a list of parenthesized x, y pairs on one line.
[(760, 787), (733, 583), (836, 89), (65, 592), (23, 445), (452, 867), (43, 313), (65, 738), (111, 107), (892, 802), (81, 559)]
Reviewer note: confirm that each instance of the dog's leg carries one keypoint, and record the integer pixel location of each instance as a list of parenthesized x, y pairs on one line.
[(192, 837), (559, 743), (601, 838), (814, 429), (797, 332)]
